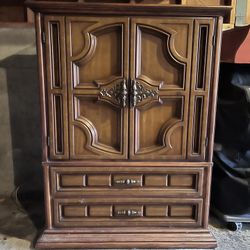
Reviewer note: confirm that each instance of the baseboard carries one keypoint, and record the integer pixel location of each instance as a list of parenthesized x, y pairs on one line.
[(157, 239)]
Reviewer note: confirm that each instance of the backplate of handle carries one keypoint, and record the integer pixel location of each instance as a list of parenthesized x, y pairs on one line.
[(118, 93), (128, 213), (139, 93), (127, 182)]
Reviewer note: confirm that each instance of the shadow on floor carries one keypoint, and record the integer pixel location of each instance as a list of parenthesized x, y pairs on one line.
[(24, 113)]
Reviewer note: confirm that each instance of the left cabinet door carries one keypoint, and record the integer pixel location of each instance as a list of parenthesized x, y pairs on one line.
[(56, 78), (97, 75)]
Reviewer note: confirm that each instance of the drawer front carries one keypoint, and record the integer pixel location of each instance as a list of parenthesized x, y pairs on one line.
[(122, 212), (132, 181)]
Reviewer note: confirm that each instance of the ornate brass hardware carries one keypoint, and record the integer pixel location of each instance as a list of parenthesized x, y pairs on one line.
[(127, 182), (119, 92), (124, 93), (139, 93), (134, 93), (129, 213)]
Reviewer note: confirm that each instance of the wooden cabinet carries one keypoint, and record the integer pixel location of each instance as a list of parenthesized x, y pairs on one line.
[(128, 95)]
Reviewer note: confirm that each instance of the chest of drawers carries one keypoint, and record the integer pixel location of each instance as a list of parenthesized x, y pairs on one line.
[(128, 95)]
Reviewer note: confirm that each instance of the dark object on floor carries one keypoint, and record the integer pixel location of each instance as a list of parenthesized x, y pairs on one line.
[(231, 173)]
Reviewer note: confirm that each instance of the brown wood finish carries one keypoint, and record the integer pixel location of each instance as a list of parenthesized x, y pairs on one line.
[(56, 86), (97, 59), (160, 61), (127, 212), (125, 181), (201, 79), (107, 238), (139, 9), (128, 95), (42, 87)]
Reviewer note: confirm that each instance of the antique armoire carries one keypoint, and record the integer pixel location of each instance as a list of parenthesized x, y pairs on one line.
[(128, 97)]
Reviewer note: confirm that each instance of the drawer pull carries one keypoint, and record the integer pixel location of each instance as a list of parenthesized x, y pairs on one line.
[(129, 213), (127, 182)]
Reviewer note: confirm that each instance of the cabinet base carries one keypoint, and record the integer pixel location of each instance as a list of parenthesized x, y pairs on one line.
[(129, 239)]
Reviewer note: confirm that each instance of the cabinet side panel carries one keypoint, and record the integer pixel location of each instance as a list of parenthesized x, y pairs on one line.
[(43, 116), (212, 115), (214, 88), (47, 197), (200, 88), (57, 86)]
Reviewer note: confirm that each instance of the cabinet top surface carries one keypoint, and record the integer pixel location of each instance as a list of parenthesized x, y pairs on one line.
[(79, 7)]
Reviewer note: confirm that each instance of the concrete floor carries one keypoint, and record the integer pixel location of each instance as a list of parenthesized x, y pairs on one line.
[(19, 229)]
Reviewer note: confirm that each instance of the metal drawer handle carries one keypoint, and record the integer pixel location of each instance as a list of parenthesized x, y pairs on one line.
[(127, 181), (129, 213)]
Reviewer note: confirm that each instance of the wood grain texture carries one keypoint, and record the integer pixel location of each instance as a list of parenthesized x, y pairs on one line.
[(42, 87), (229, 20), (198, 137), (119, 239), (97, 61), (159, 61), (56, 86), (128, 96), (154, 180), (47, 197), (125, 9), (126, 212)]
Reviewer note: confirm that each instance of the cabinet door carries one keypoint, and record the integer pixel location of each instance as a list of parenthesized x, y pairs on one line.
[(160, 87), (97, 62)]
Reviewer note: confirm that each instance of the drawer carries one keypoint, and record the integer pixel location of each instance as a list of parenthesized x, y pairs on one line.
[(124, 212), (130, 181)]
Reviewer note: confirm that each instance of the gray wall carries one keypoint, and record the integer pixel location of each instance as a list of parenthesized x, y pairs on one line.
[(19, 112)]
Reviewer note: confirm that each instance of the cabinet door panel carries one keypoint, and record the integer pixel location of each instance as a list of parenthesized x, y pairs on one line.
[(56, 86), (160, 71), (200, 88), (97, 59)]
